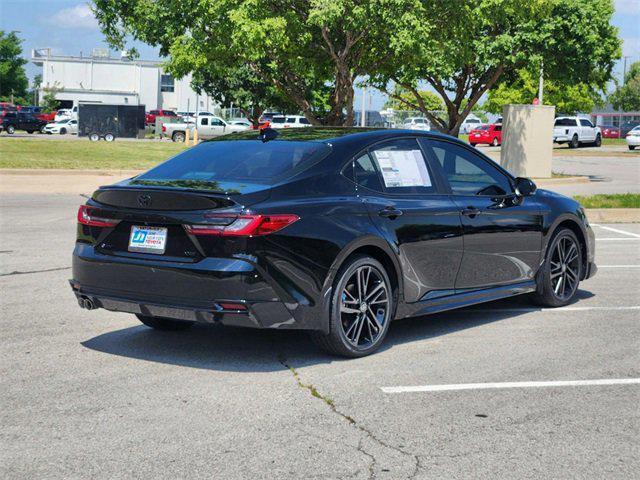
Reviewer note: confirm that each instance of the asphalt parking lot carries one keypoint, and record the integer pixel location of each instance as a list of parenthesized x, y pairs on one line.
[(97, 395)]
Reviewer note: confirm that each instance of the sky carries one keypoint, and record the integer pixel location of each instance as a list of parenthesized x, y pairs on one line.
[(69, 28)]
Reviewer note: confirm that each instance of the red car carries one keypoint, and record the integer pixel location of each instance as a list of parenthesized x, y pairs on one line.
[(609, 131), (489, 134), (7, 107), (150, 118)]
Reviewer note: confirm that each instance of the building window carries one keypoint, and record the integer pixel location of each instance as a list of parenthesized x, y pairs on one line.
[(166, 83)]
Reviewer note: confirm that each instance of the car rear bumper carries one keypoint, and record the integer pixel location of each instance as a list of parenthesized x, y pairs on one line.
[(633, 140), (183, 290)]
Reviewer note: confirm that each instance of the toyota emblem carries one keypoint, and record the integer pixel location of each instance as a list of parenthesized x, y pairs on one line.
[(144, 200)]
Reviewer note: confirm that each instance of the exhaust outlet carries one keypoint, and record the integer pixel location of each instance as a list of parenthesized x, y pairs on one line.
[(86, 303)]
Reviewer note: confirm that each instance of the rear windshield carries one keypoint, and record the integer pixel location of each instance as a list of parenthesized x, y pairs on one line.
[(483, 127), (565, 122), (249, 161)]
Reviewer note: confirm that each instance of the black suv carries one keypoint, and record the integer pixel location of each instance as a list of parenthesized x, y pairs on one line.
[(13, 121)]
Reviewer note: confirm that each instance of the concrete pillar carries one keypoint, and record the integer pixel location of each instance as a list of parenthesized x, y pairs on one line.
[(527, 140)]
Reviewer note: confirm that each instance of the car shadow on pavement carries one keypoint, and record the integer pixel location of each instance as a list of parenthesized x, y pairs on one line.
[(215, 347)]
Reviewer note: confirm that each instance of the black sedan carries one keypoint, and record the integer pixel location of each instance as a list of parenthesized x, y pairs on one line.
[(335, 231)]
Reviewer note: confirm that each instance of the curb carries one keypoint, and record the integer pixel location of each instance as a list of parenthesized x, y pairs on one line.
[(613, 215), (542, 182)]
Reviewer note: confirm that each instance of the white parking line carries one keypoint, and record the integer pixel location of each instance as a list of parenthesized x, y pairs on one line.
[(624, 232), (534, 309), (616, 238), (485, 386), (618, 266)]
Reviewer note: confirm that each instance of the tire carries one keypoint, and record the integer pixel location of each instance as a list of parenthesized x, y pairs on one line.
[(473, 144), (63, 131), (30, 132), (165, 324), (494, 142), (557, 293), (11, 129), (353, 331), (42, 129), (574, 143), (94, 137), (109, 137), (598, 141), (632, 147), (178, 137)]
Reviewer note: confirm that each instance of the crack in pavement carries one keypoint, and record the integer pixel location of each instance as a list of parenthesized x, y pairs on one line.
[(352, 421), (34, 271)]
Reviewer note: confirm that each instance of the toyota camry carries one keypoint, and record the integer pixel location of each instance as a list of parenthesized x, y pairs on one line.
[(334, 231)]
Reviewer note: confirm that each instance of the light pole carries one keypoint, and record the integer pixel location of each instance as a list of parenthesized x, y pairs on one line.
[(624, 70), (541, 84)]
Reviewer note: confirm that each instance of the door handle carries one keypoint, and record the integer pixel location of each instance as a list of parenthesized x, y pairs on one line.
[(470, 212), (390, 212)]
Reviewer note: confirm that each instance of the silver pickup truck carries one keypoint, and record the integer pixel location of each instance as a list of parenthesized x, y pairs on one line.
[(208, 126)]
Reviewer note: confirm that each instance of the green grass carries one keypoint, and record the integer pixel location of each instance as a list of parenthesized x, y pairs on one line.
[(614, 141), (83, 154), (619, 200)]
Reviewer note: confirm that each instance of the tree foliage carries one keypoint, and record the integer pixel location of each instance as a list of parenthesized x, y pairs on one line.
[(309, 51), (475, 45), (403, 99), (568, 98), (13, 79), (627, 97)]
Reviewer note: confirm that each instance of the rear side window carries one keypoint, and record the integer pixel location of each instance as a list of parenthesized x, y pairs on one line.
[(566, 122), (497, 128), (304, 121), (277, 120), (402, 167), (238, 161), (366, 174)]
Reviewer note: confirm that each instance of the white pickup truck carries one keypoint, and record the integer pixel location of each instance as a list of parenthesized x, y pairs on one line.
[(208, 126), (576, 131)]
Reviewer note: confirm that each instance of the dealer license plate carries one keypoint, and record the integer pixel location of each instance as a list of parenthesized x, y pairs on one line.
[(148, 239)]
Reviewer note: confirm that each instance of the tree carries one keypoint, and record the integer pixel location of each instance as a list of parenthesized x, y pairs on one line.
[(568, 98), (49, 102), (309, 51), (475, 45), (627, 96), (13, 79), (403, 100)]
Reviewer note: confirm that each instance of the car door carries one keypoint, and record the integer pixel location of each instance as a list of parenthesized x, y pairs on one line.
[(73, 126), (218, 127), (406, 203), (587, 131), (502, 231)]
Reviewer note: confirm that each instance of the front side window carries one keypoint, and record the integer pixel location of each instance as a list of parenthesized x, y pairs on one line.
[(585, 123), (402, 167), (204, 121), (467, 173), (166, 83)]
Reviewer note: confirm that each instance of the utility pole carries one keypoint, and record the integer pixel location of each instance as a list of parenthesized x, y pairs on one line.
[(541, 84), (624, 71), (363, 112)]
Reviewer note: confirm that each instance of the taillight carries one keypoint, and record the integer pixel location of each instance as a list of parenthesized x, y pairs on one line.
[(164, 129), (243, 225), (87, 217)]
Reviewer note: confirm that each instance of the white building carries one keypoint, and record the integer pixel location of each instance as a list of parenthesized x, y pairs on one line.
[(102, 79)]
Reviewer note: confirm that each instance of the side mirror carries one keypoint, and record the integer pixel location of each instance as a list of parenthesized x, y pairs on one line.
[(525, 187)]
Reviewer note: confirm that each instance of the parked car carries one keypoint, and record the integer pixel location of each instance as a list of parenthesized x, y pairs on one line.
[(62, 127), (7, 107), (372, 118), (62, 114), (489, 134), (150, 118), (240, 121), (289, 121), (267, 116), (417, 123), (633, 138), (30, 109), (208, 126), (187, 117), (576, 131), (469, 124), (224, 233), (626, 127), (28, 122), (609, 131)]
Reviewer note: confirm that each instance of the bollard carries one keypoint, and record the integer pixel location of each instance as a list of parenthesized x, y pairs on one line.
[(195, 136), (186, 136)]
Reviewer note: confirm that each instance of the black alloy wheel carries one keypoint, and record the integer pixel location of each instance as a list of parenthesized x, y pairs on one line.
[(361, 309), (560, 275), (574, 143)]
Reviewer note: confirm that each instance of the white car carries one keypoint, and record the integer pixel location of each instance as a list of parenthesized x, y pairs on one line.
[(239, 121), (62, 127), (576, 131), (633, 138), (417, 123), (470, 123), (289, 121)]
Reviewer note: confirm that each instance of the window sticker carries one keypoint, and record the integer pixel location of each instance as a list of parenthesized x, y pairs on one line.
[(403, 168)]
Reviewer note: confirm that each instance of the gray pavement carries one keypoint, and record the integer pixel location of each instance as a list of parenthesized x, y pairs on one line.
[(97, 395)]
